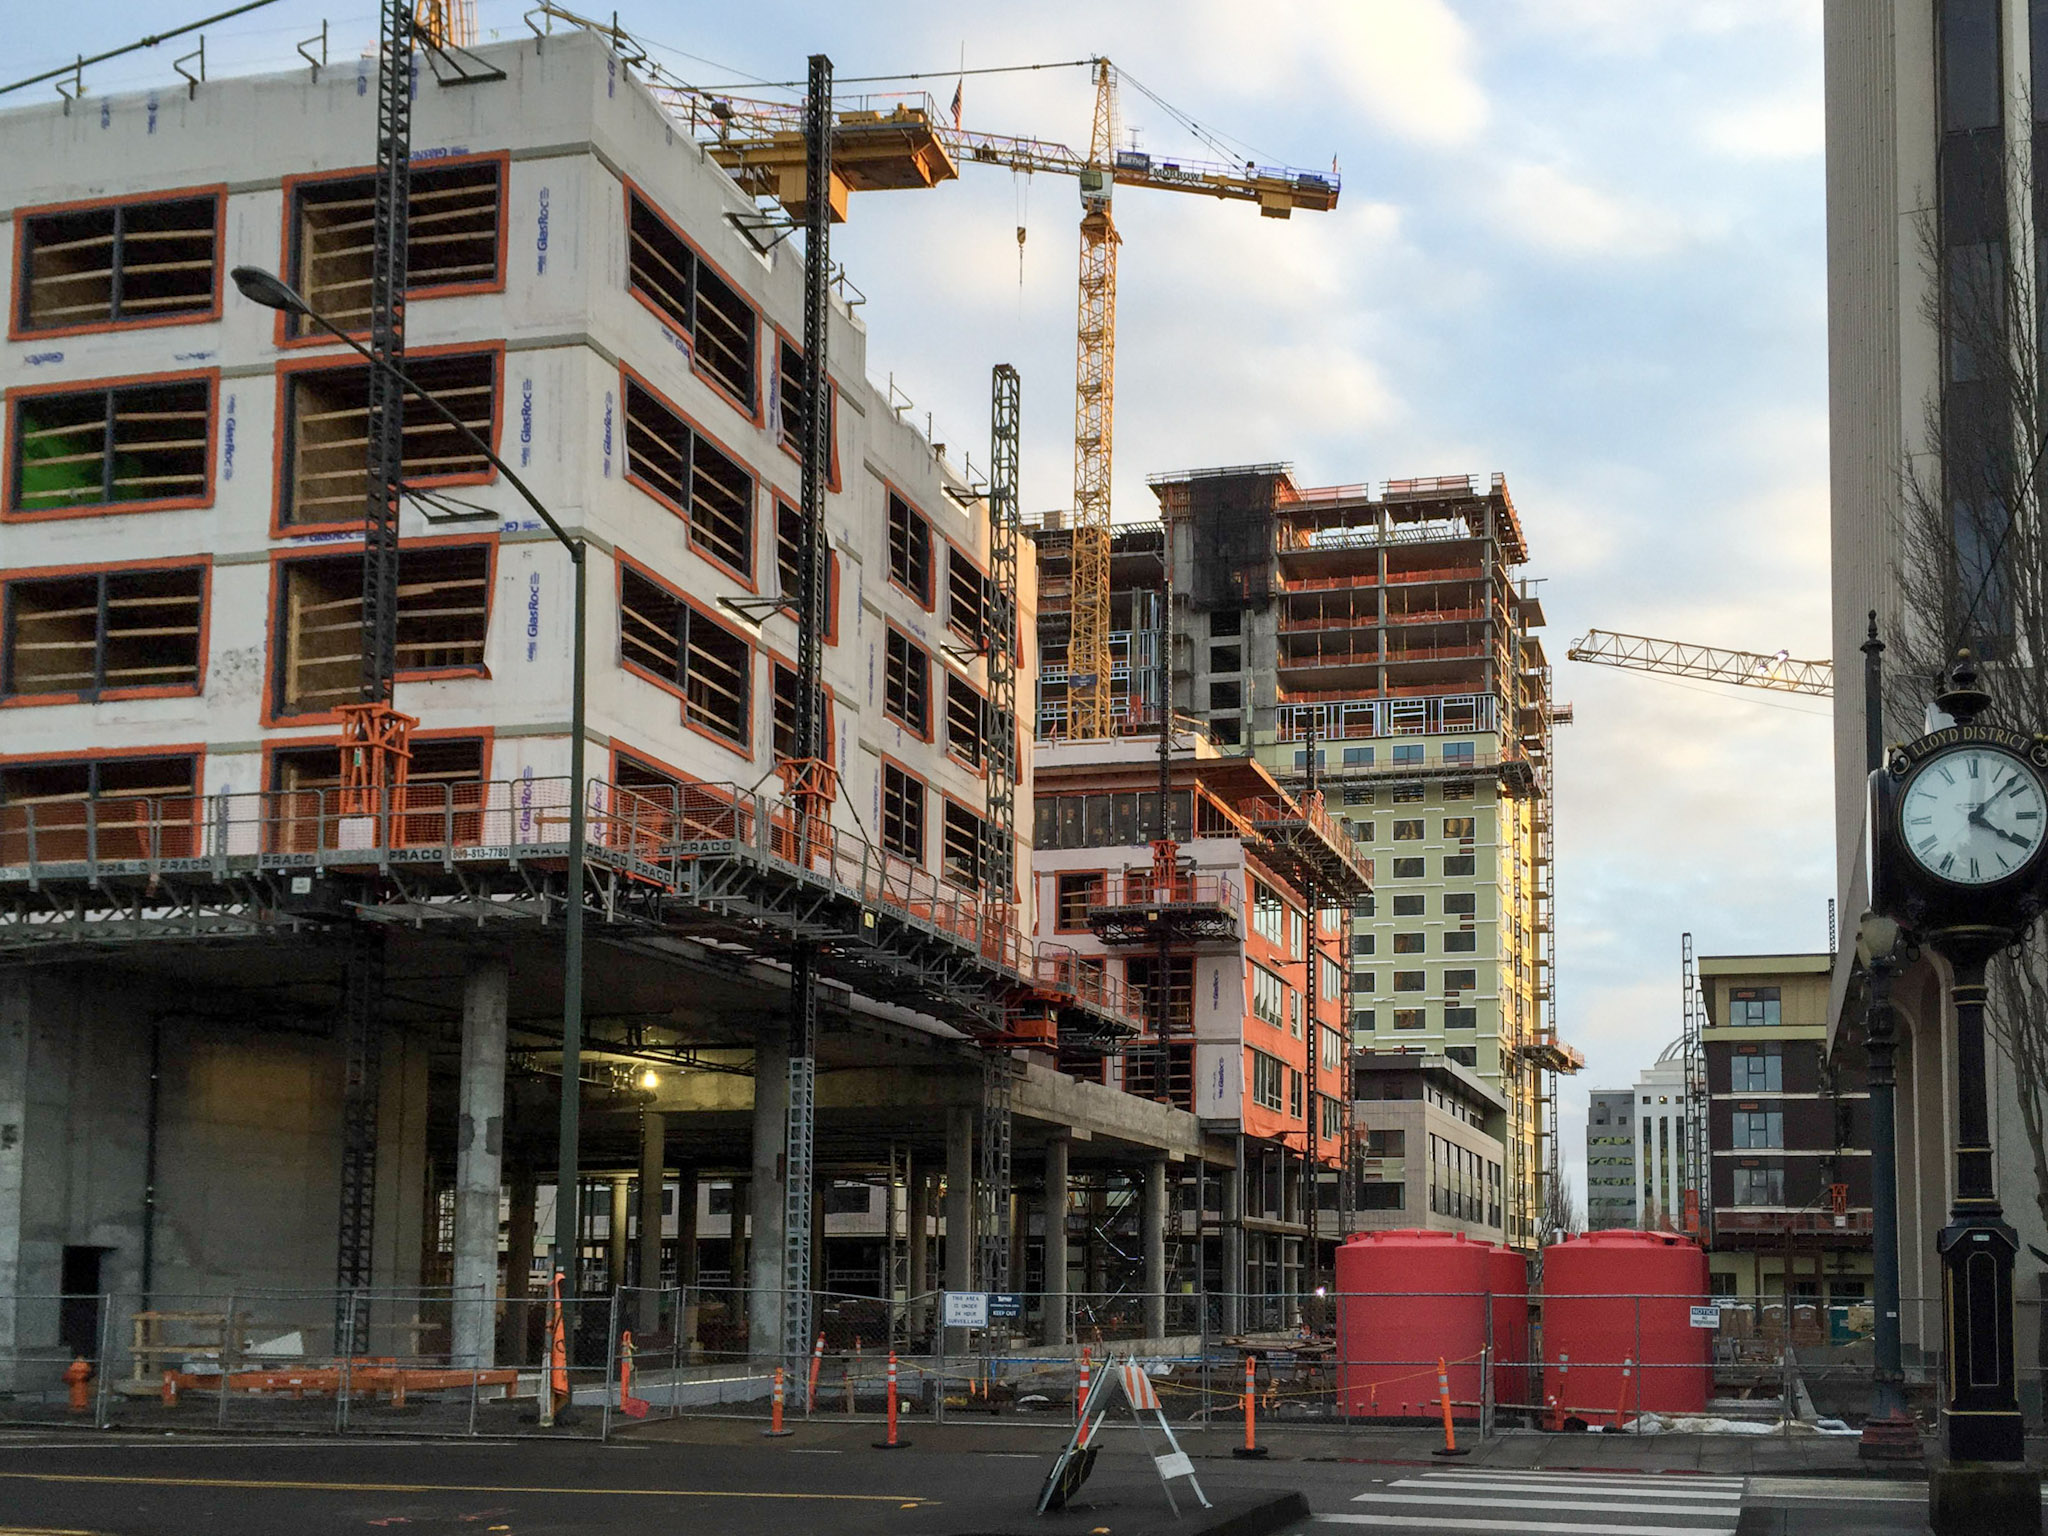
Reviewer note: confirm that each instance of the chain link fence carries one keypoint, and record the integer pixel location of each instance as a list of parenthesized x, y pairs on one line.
[(396, 1362)]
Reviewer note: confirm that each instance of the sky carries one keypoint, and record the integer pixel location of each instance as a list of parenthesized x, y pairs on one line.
[(1580, 242)]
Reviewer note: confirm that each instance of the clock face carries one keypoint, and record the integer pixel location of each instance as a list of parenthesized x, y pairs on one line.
[(1974, 815)]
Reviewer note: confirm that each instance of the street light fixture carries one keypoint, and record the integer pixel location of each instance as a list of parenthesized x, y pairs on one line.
[(272, 292)]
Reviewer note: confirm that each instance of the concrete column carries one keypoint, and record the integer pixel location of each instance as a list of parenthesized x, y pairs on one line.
[(617, 1228), (479, 1152), (653, 1178), (959, 1211), (765, 1189), (687, 1197), (1152, 1237), (1231, 1234), (1056, 1152), (920, 1240)]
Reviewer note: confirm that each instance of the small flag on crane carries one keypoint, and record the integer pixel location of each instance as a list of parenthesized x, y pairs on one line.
[(958, 87)]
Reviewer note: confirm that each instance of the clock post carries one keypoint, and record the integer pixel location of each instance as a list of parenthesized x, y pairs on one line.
[(1958, 823)]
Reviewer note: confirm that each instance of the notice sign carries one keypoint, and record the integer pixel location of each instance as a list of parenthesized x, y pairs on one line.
[(1706, 1317), (966, 1309), (1005, 1306)]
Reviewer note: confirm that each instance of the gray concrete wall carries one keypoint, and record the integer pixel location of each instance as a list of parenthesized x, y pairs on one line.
[(248, 1149)]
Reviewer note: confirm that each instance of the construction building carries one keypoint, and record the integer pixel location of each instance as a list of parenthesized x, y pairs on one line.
[(1390, 626), (1230, 933), (1663, 1135), (192, 906), (1430, 1153), (1787, 1137), (1611, 1197)]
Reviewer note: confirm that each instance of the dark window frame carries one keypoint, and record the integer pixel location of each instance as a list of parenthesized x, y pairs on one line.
[(430, 182), (687, 323), (104, 602), (182, 395), (906, 813), (723, 523), (348, 380), (26, 247)]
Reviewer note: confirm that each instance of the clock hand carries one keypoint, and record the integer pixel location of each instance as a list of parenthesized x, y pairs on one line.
[(1979, 819)]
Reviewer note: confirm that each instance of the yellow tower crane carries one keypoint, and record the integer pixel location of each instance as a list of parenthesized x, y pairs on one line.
[(1780, 671), (898, 142)]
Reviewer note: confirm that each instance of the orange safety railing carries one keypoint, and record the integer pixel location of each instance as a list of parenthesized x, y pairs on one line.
[(1139, 889)]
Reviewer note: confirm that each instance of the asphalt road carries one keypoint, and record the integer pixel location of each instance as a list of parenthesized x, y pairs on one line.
[(158, 1486)]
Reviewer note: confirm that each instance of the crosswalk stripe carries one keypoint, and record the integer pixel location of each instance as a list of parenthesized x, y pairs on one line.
[(1569, 1475), (1469, 1501), (1701, 1496), (1604, 1490), (1529, 1527)]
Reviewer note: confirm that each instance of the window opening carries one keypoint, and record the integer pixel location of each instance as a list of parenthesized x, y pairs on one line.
[(714, 494), (327, 434), (451, 241), (902, 814), (906, 683), (128, 262), (910, 549), (443, 619), (707, 662), (720, 325), (111, 630), (103, 447), (964, 729)]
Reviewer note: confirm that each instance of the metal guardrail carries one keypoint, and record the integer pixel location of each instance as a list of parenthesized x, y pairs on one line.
[(648, 836)]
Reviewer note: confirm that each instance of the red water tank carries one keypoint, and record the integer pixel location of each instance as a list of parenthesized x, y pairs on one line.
[(1406, 1300), (1623, 1300)]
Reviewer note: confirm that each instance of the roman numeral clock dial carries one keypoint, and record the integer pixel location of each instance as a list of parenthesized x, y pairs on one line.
[(1974, 815)]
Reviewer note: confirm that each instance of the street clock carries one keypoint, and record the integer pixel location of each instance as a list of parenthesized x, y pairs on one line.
[(1956, 837), (1958, 825)]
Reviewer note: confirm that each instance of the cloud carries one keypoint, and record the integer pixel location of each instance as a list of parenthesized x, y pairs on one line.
[(1549, 210), (1787, 128), (1406, 66)]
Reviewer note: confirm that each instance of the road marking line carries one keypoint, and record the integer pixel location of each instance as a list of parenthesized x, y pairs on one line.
[(1571, 1528), (1469, 1501), (602, 1493)]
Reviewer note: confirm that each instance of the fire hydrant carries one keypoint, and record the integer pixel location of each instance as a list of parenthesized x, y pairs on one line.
[(79, 1375)]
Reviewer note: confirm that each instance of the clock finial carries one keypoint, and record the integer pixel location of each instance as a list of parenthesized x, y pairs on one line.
[(1963, 701)]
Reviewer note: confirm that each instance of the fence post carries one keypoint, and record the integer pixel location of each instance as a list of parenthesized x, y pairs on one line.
[(611, 1368), (939, 1353), (99, 1405), (1641, 1368), (227, 1334), (344, 1347)]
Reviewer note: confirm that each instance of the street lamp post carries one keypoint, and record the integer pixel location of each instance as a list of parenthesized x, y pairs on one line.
[(273, 292)]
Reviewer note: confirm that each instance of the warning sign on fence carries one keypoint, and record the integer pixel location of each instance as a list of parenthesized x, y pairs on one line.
[(966, 1309), (1706, 1317)]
